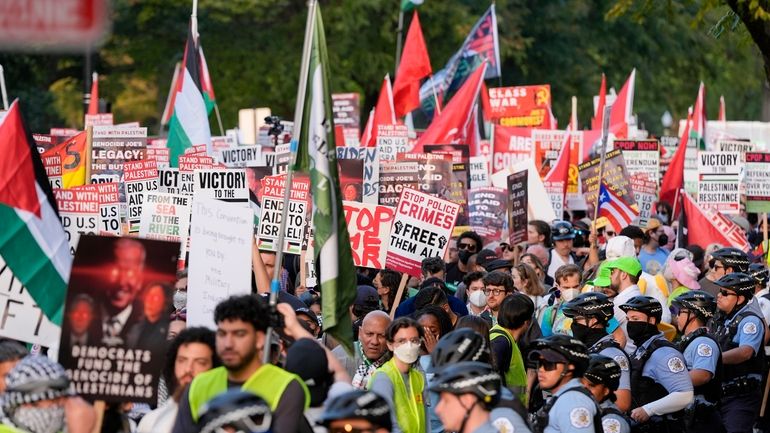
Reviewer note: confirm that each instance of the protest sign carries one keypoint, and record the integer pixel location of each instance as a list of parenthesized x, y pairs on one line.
[(166, 217), (555, 191), (614, 175), (111, 147), (23, 320), (351, 172), (53, 169), (222, 143), (78, 212), (739, 146), (645, 194), (371, 180), (459, 179), (273, 188), (60, 134), (422, 228), (486, 211), (546, 145), (222, 184), (114, 333), (172, 181), (44, 142), (196, 150), (520, 106), (517, 207), (347, 118), (245, 156), (109, 208), (254, 177), (395, 176), (369, 227), (757, 182), (510, 146), (220, 263), (191, 162), (691, 167), (161, 156), (392, 140), (718, 177), (641, 157), (139, 177), (99, 119), (479, 172)]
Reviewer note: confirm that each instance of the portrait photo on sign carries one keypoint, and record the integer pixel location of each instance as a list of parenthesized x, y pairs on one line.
[(116, 316)]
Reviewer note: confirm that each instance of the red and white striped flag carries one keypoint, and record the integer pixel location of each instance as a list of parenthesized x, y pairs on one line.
[(614, 208)]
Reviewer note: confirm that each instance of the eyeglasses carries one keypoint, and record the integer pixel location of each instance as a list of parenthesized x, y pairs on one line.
[(347, 428), (496, 292), (726, 293), (466, 246), (547, 365), (401, 341)]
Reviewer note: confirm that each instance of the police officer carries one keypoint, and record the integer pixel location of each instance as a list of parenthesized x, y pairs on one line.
[(357, 411), (467, 392), (561, 254), (660, 385), (561, 361), (464, 344), (590, 313), (602, 378), (703, 357), (724, 261), (740, 331), (235, 410)]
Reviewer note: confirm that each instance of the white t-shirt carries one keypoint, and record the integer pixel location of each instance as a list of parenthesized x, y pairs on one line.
[(160, 420), (557, 262)]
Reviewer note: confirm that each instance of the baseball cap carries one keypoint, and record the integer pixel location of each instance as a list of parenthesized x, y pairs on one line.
[(434, 282), (602, 278), (498, 264), (547, 354), (307, 359), (629, 265), (367, 297), (652, 224), (620, 246), (485, 256)]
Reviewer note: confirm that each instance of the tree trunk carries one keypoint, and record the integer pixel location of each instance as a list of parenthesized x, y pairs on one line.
[(759, 30)]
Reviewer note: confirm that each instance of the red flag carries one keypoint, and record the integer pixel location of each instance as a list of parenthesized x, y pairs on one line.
[(384, 113), (414, 66), (550, 121), (17, 168), (711, 226), (673, 180), (622, 110), (93, 103), (452, 126), (722, 111), (368, 135), (596, 122), (560, 170), (486, 107)]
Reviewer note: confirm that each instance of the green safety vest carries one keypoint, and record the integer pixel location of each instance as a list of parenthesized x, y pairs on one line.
[(268, 382), (9, 429), (516, 376), (410, 409)]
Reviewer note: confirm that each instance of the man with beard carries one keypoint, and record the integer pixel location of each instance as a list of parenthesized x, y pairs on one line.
[(624, 276), (240, 339), (191, 353), (369, 349), (468, 244), (120, 308)]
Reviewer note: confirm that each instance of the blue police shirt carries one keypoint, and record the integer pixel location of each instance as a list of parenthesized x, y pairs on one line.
[(666, 366), (702, 354), (614, 423), (621, 358), (573, 412), (751, 330)]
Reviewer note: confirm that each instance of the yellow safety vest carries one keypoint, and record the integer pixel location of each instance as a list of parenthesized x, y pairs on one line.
[(268, 382), (8, 429), (410, 409), (516, 376)]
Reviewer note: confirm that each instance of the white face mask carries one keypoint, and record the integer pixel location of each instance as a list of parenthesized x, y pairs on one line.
[(569, 294), (478, 299), (407, 352)]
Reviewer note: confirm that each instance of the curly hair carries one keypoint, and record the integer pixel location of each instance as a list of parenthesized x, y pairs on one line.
[(247, 308), (196, 334), (444, 322)]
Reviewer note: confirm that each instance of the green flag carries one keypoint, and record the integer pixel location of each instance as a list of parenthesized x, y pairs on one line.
[(316, 155), (407, 5)]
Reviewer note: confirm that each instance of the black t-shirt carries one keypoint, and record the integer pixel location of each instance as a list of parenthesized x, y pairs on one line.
[(454, 275)]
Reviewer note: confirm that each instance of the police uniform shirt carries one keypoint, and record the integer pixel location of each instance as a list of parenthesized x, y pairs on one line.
[(667, 367), (620, 357), (750, 330), (506, 420), (612, 422), (573, 411), (702, 354), (488, 427)]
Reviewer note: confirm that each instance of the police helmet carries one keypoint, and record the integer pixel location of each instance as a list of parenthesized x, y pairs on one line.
[(477, 378), (732, 258), (237, 409), (700, 303), (460, 345), (740, 283), (569, 349), (644, 304), (590, 304), (760, 272), (603, 370), (562, 230), (358, 404)]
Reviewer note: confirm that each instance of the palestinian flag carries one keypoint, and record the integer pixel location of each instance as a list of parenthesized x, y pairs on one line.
[(32, 240), (189, 125), (316, 155), (698, 128), (207, 87)]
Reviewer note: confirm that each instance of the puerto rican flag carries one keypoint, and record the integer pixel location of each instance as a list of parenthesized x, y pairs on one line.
[(614, 208)]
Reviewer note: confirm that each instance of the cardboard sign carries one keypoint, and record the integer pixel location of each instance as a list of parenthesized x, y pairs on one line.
[(394, 177), (220, 260), (161, 156), (718, 177), (190, 162), (173, 181), (487, 211), (691, 167), (272, 205), (245, 156), (371, 181), (114, 334), (78, 212), (645, 194), (166, 217), (100, 119), (139, 178), (392, 140), (510, 146), (641, 157), (109, 208), (555, 191), (347, 118), (520, 106), (53, 169), (222, 184), (369, 226), (614, 175), (479, 172), (517, 207), (23, 320), (111, 147), (757, 182), (422, 227)]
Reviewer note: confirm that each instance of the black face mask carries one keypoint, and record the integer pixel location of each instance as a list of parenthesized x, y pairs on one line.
[(586, 334), (662, 239), (464, 256), (640, 332)]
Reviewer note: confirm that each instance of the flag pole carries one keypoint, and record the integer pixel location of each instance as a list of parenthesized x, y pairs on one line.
[(2, 88), (435, 96), (219, 119), (602, 157), (275, 284), (399, 35)]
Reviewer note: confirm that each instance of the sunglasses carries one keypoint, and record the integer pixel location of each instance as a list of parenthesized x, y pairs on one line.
[(547, 365), (466, 246), (506, 247), (726, 293)]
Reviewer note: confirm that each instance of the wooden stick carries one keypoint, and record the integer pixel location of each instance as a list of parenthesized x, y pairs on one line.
[(399, 294), (89, 145), (764, 399), (303, 268), (99, 407)]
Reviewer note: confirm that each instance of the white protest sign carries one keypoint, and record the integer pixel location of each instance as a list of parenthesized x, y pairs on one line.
[(718, 177), (272, 206), (109, 208), (422, 228), (222, 184), (78, 212), (479, 170), (757, 182), (22, 319), (173, 181), (641, 157), (736, 146), (220, 259), (392, 140), (244, 156), (139, 178), (165, 217)]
